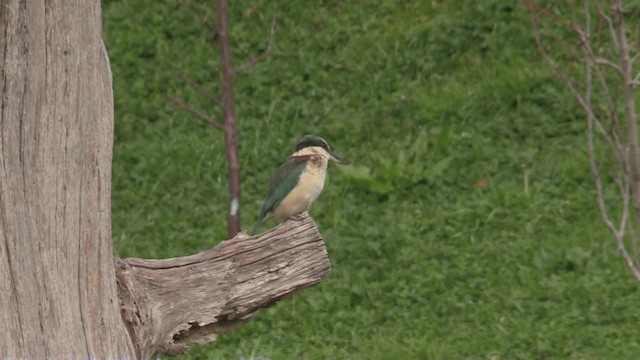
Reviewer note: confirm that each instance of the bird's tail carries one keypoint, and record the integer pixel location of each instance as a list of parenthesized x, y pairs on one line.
[(258, 224)]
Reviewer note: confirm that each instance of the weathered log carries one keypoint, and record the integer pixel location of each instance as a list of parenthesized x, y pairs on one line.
[(169, 303)]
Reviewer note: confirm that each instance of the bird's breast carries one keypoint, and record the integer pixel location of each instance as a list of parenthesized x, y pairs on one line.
[(309, 187), (312, 181)]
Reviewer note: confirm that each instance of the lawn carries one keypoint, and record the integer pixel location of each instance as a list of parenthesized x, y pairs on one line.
[(466, 226)]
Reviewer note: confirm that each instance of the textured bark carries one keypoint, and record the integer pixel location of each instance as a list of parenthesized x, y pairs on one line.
[(58, 296), (171, 302)]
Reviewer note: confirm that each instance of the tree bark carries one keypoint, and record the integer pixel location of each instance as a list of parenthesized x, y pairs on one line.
[(63, 294), (171, 302), (58, 295)]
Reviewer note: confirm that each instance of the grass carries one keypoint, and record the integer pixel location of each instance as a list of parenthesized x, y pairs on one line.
[(466, 227)]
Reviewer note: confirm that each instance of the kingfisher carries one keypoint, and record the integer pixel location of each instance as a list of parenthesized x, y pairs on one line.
[(299, 181)]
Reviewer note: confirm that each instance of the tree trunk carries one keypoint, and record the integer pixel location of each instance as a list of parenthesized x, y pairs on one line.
[(63, 295), (58, 295)]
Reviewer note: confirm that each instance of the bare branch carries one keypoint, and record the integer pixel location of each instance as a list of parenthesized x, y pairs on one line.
[(535, 9), (630, 109), (264, 55), (595, 172), (591, 119), (622, 142), (634, 239), (605, 62), (625, 204), (584, 35), (585, 44), (585, 104), (204, 92), (574, 90), (627, 259), (574, 18), (181, 104), (610, 25)]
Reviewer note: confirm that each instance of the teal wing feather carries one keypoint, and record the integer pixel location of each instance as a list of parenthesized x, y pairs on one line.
[(283, 181)]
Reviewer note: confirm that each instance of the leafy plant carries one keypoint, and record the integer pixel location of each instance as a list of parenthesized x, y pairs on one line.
[(408, 168)]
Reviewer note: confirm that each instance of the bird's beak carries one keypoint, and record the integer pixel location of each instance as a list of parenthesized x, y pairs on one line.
[(337, 158)]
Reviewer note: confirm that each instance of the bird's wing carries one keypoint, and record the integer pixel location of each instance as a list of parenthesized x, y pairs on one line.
[(284, 180)]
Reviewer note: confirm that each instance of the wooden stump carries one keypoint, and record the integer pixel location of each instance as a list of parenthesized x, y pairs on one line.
[(170, 302)]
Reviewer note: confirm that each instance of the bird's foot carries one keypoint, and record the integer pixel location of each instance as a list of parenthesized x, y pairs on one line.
[(297, 217)]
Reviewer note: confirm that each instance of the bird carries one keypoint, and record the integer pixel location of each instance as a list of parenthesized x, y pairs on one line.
[(298, 182)]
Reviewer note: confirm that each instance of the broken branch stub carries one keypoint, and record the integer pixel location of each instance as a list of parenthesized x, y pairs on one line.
[(169, 303)]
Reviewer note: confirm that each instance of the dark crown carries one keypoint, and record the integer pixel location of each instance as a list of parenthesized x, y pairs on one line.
[(312, 140)]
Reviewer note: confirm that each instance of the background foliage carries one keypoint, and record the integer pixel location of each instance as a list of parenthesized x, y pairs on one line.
[(466, 226)]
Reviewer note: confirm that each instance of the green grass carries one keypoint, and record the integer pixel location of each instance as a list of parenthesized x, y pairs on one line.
[(430, 101)]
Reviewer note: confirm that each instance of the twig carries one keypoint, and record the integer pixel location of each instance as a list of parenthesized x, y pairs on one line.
[(611, 27), (595, 172), (569, 84), (634, 240), (201, 15), (181, 104), (601, 61), (534, 8), (585, 101), (630, 109), (585, 45), (204, 92), (627, 151), (265, 54)]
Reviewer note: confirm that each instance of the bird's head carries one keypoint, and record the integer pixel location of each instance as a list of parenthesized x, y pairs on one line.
[(309, 141)]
